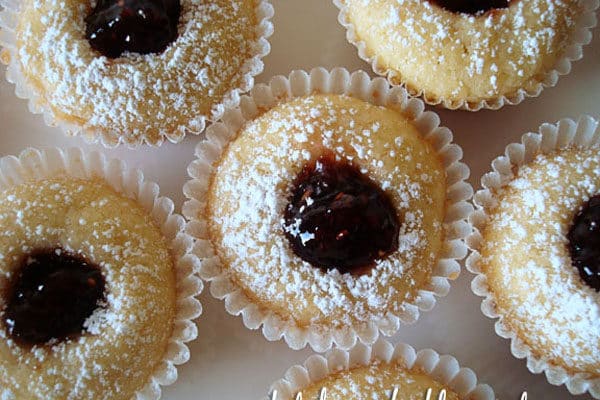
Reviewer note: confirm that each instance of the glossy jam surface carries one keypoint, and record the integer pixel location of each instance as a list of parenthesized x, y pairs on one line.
[(137, 26), (584, 242), (51, 296), (337, 217), (473, 7)]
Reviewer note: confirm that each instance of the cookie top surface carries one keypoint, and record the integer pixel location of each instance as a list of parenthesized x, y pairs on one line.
[(252, 185), (147, 97), (526, 259), (377, 381), (126, 337), (456, 57)]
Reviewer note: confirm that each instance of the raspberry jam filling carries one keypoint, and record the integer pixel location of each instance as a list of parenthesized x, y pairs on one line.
[(337, 217), (584, 242), (137, 26), (472, 7), (51, 296)]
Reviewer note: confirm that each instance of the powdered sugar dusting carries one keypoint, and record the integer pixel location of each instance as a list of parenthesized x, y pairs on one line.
[(527, 262), (139, 96), (455, 57), (252, 183), (122, 344)]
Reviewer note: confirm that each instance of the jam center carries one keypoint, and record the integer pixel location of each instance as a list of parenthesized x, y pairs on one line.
[(337, 217), (584, 242), (472, 7), (52, 295), (138, 26)]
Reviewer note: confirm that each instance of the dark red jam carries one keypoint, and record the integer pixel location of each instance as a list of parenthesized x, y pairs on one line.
[(337, 217), (584, 242), (51, 296), (137, 26), (473, 7)]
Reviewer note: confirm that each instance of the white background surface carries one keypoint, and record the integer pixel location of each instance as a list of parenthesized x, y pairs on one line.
[(231, 362)]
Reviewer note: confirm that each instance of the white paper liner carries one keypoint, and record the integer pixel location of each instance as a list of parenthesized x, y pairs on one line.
[(445, 369), (581, 36), (565, 133), (37, 105), (376, 91), (33, 164)]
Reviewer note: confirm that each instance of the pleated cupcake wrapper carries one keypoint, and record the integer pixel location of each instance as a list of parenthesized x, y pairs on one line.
[(581, 36), (376, 91), (109, 139), (34, 164), (442, 368), (566, 133)]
